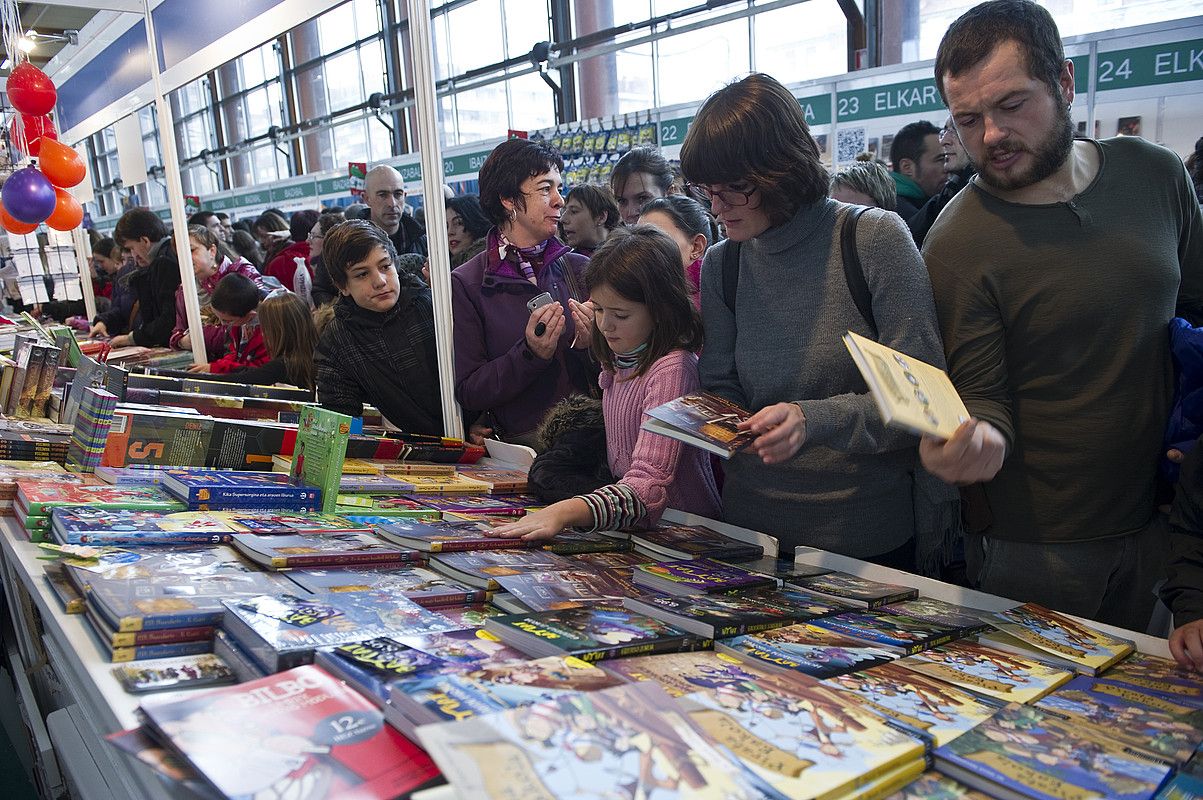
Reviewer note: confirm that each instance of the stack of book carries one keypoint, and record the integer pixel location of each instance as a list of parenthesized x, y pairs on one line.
[(13, 471), (669, 541), (276, 551), (34, 440), (36, 498), (90, 525), (91, 429), (411, 580), (204, 490)]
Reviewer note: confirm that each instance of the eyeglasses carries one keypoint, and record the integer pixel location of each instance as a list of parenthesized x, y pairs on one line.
[(728, 197), (315, 236)]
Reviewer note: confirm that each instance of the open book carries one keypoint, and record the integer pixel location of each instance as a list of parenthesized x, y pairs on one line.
[(910, 394), (702, 420)]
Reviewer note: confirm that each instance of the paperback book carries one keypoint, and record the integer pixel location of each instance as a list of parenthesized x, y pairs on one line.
[(934, 786), (282, 631), (112, 526), (700, 576), (1025, 751), (702, 420), (933, 710), (372, 484), (319, 550), (685, 673), (115, 638), (470, 504), (783, 568), (807, 649), (907, 635), (381, 507), (1057, 638), (335, 743), (64, 591), (592, 633), (205, 490), (693, 541), (188, 672), (372, 665), (500, 481), (38, 497), (855, 589), (444, 536), (446, 484), (572, 543), (416, 583), (482, 568), (986, 670), (602, 561), (545, 591), (969, 620), (724, 616)]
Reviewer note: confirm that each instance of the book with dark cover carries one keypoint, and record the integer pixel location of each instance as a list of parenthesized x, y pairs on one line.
[(600, 561), (446, 536), (171, 674), (244, 667), (724, 616), (986, 670), (239, 444), (66, 593), (772, 727), (693, 541), (1183, 786), (202, 386), (933, 710), (171, 587), (416, 583), (1166, 730), (807, 649), (164, 439), (338, 744), (370, 666), (228, 489), (703, 420), (282, 631), (855, 589), (592, 633), (26, 405), (783, 568), (545, 591), (482, 568), (572, 543), (1160, 677), (22, 353), (319, 550), (907, 635), (114, 638), (1059, 639), (970, 620), (1026, 752), (115, 526), (45, 387), (700, 576)]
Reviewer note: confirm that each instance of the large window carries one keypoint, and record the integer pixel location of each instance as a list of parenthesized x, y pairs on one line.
[(251, 104), (192, 109)]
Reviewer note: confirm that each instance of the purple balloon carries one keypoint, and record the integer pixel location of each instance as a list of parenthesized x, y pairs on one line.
[(28, 196)]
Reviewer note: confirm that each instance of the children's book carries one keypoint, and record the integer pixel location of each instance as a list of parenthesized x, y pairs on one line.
[(321, 448), (700, 576), (444, 536), (470, 504), (969, 620), (403, 507), (907, 635), (807, 649), (319, 550), (600, 561), (910, 394), (934, 710), (270, 522), (703, 420), (421, 585), (855, 589), (465, 647), (171, 587), (188, 672), (1056, 638), (37, 497), (500, 481), (114, 526), (1183, 786), (372, 484), (693, 541), (244, 667), (806, 741), (572, 543), (282, 631), (470, 617), (545, 591), (724, 616), (459, 694), (934, 786), (482, 568), (446, 484), (593, 633), (1165, 730), (987, 670), (115, 638), (205, 490), (1024, 751), (301, 733), (372, 665), (685, 673), (641, 747), (1160, 677), (148, 652)]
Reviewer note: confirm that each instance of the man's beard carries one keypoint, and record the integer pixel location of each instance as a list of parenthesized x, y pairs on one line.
[(1047, 158)]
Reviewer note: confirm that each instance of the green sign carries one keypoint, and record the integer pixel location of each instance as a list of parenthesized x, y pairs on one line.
[(339, 185), (673, 131), (221, 204), (299, 191), (1174, 62), (817, 109), (1081, 74), (466, 164), (895, 99), (410, 172)]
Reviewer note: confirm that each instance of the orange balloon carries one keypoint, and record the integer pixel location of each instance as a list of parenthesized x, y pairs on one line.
[(14, 225), (67, 214), (61, 165)]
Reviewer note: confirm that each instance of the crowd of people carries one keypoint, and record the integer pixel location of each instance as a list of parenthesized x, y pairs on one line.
[(1042, 271)]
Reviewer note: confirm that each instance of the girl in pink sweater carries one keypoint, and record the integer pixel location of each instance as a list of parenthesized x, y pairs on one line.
[(645, 333)]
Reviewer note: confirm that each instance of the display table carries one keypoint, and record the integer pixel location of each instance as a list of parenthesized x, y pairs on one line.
[(69, 698)]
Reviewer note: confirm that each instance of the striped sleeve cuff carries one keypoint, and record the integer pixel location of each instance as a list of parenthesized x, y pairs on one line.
[(614, 507)]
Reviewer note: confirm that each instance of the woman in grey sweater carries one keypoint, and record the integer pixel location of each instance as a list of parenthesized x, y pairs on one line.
[(824, 470)]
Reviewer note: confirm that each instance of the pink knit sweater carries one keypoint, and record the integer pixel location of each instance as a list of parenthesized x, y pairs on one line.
[(661, 471)]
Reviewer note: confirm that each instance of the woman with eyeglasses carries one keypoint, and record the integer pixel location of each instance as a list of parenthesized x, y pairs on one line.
[(824, 470), (317, 238), (518, 304)]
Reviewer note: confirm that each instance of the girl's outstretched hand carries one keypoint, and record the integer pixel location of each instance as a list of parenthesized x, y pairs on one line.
[(535, 526)]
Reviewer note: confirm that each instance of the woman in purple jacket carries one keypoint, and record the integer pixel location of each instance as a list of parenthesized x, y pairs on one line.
[(513, 361)]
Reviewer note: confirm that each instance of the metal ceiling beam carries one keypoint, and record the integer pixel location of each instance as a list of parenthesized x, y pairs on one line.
[(129, 6)]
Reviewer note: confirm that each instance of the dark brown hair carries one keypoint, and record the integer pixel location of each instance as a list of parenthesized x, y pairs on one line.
[(289, 333), (599, 200), (349, 243), (208, 239), (646, 160), (643, 265), (754, 130), (137, 223), (503, 172), (976, 33)]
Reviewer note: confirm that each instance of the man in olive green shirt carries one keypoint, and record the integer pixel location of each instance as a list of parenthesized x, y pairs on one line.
[(1056, 273)]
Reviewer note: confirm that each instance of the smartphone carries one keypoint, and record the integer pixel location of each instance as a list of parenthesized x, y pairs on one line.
[(539, 301)]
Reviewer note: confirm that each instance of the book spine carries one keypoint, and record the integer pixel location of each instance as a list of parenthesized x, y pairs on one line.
[(336, 559), (680, 644), (159, 622), (164, 636), (436, 602), (142, 652), (878, 602), (118, 538)]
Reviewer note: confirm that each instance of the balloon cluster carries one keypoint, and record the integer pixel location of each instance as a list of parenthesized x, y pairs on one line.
[(36, 193)]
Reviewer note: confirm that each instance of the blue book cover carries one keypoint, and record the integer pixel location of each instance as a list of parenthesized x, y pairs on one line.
[(807, 649), (283, 630), (144, 652), (412, 581), (1160, 677), (217, 487), (908, 634), (373, 665), (107, 526)]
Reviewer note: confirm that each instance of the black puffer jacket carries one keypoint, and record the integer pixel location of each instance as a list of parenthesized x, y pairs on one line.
[(573, 458)]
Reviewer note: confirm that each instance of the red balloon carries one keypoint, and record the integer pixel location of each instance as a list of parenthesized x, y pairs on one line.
[(32, 129), (14, 225), (61, 165), (67, 214), (30, 90)]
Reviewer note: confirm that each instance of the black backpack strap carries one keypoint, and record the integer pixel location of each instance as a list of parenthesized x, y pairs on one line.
[(730, 273), (854, 273)]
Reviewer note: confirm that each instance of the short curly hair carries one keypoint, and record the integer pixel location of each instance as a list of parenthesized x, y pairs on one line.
[(503, 172)]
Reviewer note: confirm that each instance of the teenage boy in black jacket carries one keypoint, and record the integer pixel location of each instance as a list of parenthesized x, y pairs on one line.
[(143, 235)]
